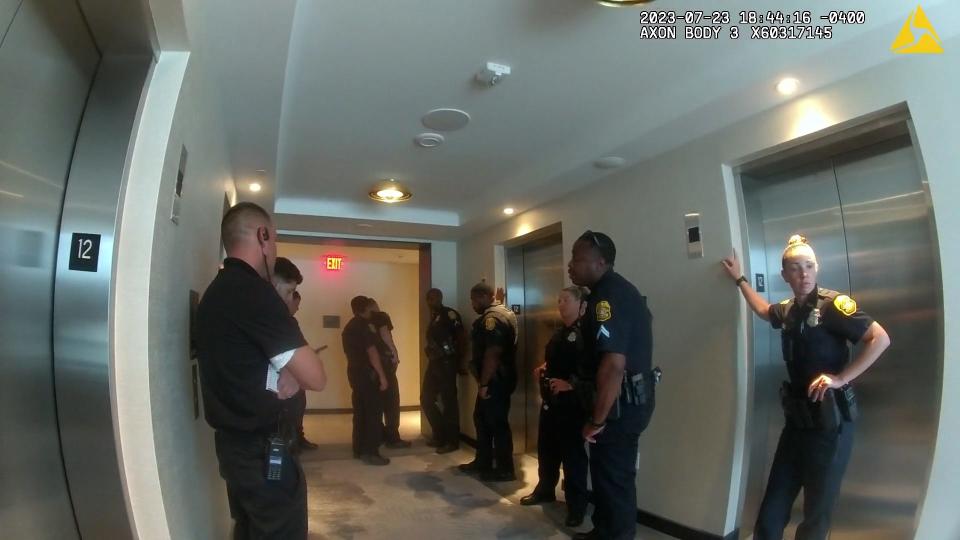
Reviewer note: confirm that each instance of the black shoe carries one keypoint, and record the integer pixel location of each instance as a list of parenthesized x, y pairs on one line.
[(304, 444), (470, 468), (574, 519), (375, 459), (536, 498), (399, 443), (434, 443), (447, 448), (589, 535), (498, 476)]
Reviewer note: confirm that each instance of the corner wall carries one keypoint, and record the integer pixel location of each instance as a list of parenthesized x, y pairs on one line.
[(173, 480), (692, 455)]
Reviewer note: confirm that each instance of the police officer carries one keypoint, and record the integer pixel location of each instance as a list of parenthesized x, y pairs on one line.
[(286, 277), (617, 328), (245, 335), (814, 448), (559, 439), (390, 358), (494, 340), (446, 344), (367, 381)]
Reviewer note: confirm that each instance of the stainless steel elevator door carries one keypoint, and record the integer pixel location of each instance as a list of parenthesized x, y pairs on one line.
[(47, 62), (534, 278), (868, 217)]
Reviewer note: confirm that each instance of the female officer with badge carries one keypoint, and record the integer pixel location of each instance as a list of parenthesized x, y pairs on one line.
[(818, 402), (559, 438)]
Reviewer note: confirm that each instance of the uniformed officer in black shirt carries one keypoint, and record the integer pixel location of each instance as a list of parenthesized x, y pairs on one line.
[(617, 328), (446, 344), (559, 438), (494, 341), (286, 277), (390, 358), (814, 448), (367, 381), (245, 335)]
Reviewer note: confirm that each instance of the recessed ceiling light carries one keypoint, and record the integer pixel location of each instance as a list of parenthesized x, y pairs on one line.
[(610, 162), (428, 140), (445, 119), (255, 186), (787, 86), (508, 211), (364, 226), (390, 191)]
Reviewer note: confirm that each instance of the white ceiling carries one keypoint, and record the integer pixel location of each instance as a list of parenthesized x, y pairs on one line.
[(326, 97)]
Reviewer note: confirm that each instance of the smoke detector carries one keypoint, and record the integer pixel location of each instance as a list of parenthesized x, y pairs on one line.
[(428, 140), (492, 74)]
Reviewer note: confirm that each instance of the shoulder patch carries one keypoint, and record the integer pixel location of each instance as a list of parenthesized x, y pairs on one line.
[(452, 314), (787, 301), (490, 323), (603, 311), (845, 305), (372, 328)]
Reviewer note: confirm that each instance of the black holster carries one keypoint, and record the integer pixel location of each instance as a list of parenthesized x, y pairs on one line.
[(825, 415)]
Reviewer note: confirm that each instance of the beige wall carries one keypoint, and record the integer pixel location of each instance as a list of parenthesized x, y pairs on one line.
[(693, 453), (388, 275)]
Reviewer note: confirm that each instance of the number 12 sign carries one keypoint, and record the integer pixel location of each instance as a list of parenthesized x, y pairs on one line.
[(84, 252)]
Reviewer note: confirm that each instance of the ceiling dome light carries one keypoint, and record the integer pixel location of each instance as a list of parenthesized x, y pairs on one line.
[(622, 3), (508, 211), (610, 162), (390, 191), (255, 187), (787, 86)]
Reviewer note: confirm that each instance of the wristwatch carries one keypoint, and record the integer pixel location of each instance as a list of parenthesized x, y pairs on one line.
[(741, 279)]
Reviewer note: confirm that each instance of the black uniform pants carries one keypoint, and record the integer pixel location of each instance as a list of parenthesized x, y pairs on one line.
[(261, 509), (494, 438), (367, 411), (560, 442), (298, 407), (391, 403), (613, 460), (440, 381), (809, 459)]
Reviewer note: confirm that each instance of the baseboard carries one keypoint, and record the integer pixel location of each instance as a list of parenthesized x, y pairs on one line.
[(404, 408), (469, 440), (678, 530)]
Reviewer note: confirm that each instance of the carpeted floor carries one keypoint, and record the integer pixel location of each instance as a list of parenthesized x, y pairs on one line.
[(419, 495)]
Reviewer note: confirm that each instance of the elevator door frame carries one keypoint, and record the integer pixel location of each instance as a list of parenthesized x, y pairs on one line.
[(838, 141)]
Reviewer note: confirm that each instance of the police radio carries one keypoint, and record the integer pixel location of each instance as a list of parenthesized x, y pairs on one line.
[(275, 458)]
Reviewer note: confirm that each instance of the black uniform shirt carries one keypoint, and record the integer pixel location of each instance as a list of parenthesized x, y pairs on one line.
[(563, 352), (445, 324), (617, 320), (380, 319), (496, 328), (815, 342), (358, 335), (241, 323)]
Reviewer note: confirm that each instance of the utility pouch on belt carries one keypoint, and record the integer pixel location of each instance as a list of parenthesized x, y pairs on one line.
[(545, 394), (847, 402), (633, 390), (795, 408)]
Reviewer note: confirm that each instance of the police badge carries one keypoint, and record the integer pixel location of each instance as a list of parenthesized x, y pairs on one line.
[(813, 320), (572, 337)]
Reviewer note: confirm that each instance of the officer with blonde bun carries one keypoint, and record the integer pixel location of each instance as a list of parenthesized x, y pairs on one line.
[(817, 325)]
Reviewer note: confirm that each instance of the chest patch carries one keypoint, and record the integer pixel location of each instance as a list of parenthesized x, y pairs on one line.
[(603, 311), (845, 305)]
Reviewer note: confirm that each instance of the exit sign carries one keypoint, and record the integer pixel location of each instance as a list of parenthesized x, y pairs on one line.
[(334, 263)]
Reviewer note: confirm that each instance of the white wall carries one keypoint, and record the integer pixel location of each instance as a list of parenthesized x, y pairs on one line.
[(692, 454), (173, 481), (380, 273)]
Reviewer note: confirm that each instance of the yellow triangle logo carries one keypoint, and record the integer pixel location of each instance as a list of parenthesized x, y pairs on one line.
[(917, 36)]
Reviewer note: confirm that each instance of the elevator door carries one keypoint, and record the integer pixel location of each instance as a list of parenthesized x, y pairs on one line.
[(47, 62), (867, 215), (534, 277)]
